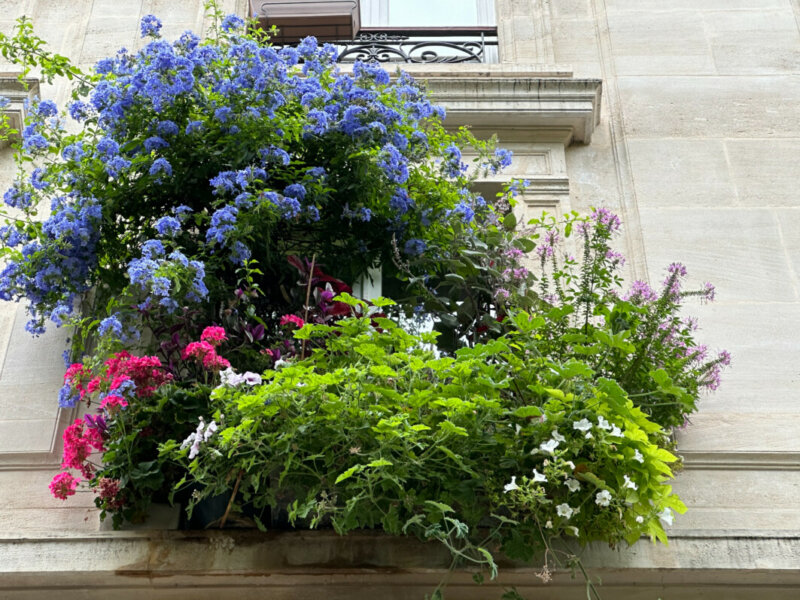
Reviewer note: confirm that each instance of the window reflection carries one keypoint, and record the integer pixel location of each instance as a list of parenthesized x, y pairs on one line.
[(426, 13)]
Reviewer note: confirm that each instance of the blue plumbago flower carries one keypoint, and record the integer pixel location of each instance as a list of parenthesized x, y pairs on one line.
[(414, 247), (289, 207), (13, 236), (107, 147), (193, 126), (169, 304), (36, 179), (153, 249), (78, 110), (111, 325), (274, 153), (502, 160), (46, 108), (168, 226), (222, 114), (167, 128), (35, 142), (154, 143), (179, 257), (161, 165), (370, 71), (4, 102), (225, 181), (239, 253), (400, 202), (160, 285), (66, 398), (295, 190), (18, 197), (150, 26), (231, 22), (452, 165), (73, 152), (394, 164), (60, 314), (187, 42), (316, 173), (117, 164), (182, 212), (319, 122), (465, 210), (222, 222)]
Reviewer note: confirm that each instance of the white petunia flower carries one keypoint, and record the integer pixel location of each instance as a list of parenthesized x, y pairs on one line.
[(511, 486), (564, 510), (616, 431), (549, 446), (280, 363), (210, 430), (638, 456), (588, 435), (251, 378), (195, 439), (640, 519), (573, 529), (666, 517), (518, 428), (549, 524), (558, 437), (230, 377), (629, 484), (582, 425), (603, 498), (570, 463), (573, 485), (538, 476), (603, 424)]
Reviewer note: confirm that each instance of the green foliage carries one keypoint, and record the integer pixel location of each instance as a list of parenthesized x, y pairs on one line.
[(376, 429)]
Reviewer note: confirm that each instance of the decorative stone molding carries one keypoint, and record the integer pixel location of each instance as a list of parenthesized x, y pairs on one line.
[(542, 107), (283, 565), (13, 89)]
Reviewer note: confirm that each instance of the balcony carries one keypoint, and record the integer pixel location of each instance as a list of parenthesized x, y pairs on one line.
[(424, 45)]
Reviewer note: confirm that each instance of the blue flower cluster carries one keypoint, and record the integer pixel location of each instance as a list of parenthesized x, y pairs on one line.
[(161, 279), (268, 132)]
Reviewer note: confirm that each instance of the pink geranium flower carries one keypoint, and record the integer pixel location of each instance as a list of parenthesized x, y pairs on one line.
[(213, 335), (63, 485), (293, 319)]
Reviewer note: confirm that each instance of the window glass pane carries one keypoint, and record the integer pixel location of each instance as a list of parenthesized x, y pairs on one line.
[(426, 13)]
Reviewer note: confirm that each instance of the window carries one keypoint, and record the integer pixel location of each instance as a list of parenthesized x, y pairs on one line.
[(427, 13), (425, 31)]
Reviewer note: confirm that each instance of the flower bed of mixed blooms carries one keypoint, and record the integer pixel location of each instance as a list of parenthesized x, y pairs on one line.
[(199, 222)]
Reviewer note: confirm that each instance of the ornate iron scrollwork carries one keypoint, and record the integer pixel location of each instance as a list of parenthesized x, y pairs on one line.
[(389, 47)]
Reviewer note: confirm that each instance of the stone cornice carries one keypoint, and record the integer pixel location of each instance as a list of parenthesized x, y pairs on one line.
[(370, 565), (532, 104)]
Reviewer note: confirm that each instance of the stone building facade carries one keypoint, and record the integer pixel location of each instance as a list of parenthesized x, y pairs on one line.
[(681, 115)]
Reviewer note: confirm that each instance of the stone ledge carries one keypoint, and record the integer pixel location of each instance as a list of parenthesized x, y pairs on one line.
[(239, 564), (525, 103)]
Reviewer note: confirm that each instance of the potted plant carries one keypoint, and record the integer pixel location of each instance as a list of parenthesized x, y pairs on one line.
[(210, 216)]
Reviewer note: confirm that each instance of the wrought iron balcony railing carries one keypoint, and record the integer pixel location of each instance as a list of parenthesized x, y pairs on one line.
[(421, 45)]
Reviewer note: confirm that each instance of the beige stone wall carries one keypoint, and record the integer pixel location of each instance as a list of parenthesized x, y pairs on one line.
[(696, 147)]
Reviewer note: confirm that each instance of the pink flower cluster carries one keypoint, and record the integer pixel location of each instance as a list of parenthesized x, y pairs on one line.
[(79, 441), (293, 320), (63, 485), (144, 372), (205, 351), (122, 373)]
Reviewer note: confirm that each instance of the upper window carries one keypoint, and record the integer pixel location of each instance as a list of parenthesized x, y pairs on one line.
[(427, 13)]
